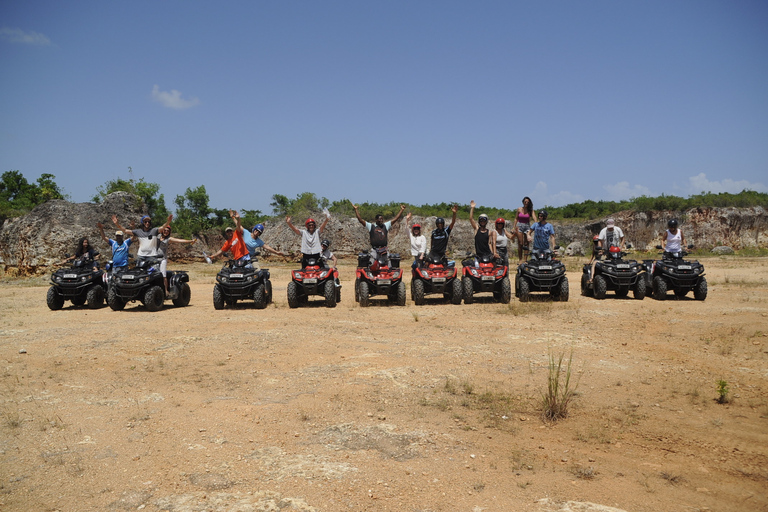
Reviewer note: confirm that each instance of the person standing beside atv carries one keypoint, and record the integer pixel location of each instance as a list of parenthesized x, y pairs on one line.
[(439, 240), (610, 236), (310, 238), (542, 234), (119, 248), (418, 242), (162, 243), (147, 235), (500, 239), (673, 239), (235, 242), (379, 231), (523, 224), (483, 244)]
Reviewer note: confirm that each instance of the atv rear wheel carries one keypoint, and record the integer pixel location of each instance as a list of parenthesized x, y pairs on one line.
[(79, 300), (659, 288), (585, 285), (417, 291), (469, 290), (457, 291), (95, 296), (357, 289), (330, 293), (218, 298), (293, 295), (638, 291), (185, 294), (681, 293), (506, 291), (268, 291), (622, 292), (260, 296), (116, 303), (154, 298), (362, 294), (523, 288), (54, 300), (401, 296), (700, 292), (599, 287)]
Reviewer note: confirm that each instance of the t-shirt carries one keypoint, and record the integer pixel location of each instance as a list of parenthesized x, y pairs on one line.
[(310, 242), (120, 252), (418, 244), (379, 233), (327, 255), (252, 243), (236, 245), (541, 236), (611, 238), (440, 240), (148, 243)]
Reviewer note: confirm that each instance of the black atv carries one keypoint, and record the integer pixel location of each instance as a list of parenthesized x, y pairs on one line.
[(80, 284), (541, 273), (383, 277), (672, 272), (316, 278), (238, 280), (144, 282), (616, 274), (483, 274), (436, 275)]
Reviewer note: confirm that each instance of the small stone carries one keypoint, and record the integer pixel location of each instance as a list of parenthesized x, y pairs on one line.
[(591, 459), (22, 351)]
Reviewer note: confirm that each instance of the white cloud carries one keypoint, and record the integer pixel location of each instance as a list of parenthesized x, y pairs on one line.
[(16, 35), (700, 183), (623, 190), (173, 99), (543, 197)]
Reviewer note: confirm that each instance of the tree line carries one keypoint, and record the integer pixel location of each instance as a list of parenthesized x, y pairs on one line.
[(194, 215)]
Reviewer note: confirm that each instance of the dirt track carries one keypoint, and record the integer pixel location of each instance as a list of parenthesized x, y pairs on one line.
[(387, 408)]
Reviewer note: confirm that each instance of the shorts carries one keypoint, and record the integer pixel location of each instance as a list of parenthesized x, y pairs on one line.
[(163, 266), (523, 228)]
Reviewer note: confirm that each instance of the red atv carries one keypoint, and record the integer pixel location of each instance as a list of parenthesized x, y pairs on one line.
[(383, 277), (314, 279), (436, 276), (482, 275)]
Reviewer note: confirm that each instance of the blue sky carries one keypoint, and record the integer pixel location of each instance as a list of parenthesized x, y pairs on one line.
[(417, 101)]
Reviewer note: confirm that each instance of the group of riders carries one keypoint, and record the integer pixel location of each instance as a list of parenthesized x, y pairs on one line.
[(528, 228)]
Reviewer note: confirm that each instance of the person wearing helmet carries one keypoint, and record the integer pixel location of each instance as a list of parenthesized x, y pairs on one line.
[(378, 231), (418, 242), (500, 239), (484, 246), (235, 242), (542, 234), (310, 238), (673, 239), (610, 236), (439, 242), (253, 242), (522, 224), (147, 236)]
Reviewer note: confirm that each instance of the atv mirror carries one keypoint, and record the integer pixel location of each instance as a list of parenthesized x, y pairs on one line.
[(658, 247)]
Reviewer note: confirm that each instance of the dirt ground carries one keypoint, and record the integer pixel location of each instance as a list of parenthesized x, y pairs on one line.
[(415, 408)]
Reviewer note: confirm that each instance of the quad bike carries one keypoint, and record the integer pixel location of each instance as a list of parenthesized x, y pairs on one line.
[(484, 275), (436, 276), (616, 274), (383, 277), (80, 284), (144, 282), (314, 279), (541, 273), (237, 280), (672, 272)]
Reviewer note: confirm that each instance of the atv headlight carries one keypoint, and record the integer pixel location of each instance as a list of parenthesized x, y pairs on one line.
[(424, 274), (500, 272), (84, 278), (323, 274), (57, 279), (297, 275), (559, 270)]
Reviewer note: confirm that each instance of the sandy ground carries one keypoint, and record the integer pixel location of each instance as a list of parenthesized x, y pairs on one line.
[(410, 408)]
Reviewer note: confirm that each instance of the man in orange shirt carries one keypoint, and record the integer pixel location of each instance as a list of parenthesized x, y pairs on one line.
[(235, 242)]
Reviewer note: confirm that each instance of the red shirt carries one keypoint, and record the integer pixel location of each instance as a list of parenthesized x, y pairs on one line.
[(236, 245)]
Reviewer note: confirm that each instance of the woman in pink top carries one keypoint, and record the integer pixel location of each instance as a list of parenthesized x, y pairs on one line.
[(523, 223)]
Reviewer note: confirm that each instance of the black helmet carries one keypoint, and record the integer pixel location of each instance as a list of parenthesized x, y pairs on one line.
[(672, 224), (543, 214), (439, 222), (326, 243)]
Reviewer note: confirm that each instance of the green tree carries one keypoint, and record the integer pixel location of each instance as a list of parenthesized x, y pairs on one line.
[(149, 193), (193, 214), (18, 196)]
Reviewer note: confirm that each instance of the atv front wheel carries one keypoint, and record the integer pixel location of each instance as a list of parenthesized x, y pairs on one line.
[(585, 285), (154, 298), (116, 303), (357, 290), (185, 294), (54, 300), (659, 288), (268, 291), (523, 289), (700, 292), (562, 290), (638, 292), (599, 287), (218, 298), (260, 296), (330, 293), (95, 296), (417, 291), (293, 295), (469, 290), (362, 294), (401, 293), (506, 291), (457, 291)]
